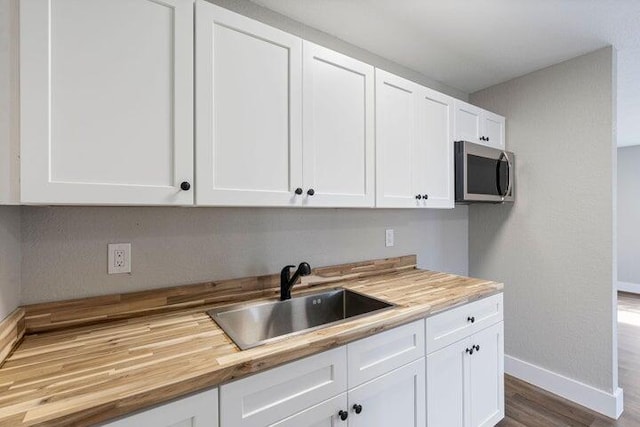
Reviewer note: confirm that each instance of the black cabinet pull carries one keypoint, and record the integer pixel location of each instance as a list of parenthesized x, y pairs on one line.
[(469, 350), (185, 186), (357, 408), (343, 415), (311, 192), (425, 196), (477, 347), (298, 191), (471, 319), (418, 197)]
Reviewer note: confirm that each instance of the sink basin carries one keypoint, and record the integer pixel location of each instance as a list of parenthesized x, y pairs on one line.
[(254, 324)]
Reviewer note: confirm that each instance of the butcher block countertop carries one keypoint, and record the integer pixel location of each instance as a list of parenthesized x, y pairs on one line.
[(85, 361)]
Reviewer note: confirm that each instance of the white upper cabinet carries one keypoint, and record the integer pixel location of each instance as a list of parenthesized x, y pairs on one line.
[(468, 122), (106, 93), (414, 145), (248, 111), (477, 125), (493, 125), (338, 129), (434, 174), (396, 138)]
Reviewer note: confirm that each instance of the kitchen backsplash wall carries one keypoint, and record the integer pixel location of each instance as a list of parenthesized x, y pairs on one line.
[(64, 249), (554, 247), (9, 259)]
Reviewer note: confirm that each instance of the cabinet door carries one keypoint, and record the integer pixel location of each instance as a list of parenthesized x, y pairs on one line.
[(338, 140), (433, 169), (447, 371), (486, 380), (199, 410), (394, 399), (396, 136), (493, 125), (323, 415), (468, 122), (248, 111), (106, 101)]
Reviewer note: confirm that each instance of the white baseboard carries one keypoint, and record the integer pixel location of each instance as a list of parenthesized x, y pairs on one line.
[(608, 404), (629, 287)]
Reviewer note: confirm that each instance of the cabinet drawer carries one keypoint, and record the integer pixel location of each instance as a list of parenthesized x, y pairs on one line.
[(325, 414), (448, 327), (270, 396), (371, 357)]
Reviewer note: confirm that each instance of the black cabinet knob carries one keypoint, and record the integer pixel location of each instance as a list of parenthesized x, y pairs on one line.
[(477, 347), (469, 350), (418, 197), (471, 319), (357, 408), (311, 192), (425, 196), (185, 186), (487, 139), (343, 415), (298, 191)]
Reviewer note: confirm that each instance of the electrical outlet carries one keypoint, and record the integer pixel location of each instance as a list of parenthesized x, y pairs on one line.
[(388, 238), (119, 258)]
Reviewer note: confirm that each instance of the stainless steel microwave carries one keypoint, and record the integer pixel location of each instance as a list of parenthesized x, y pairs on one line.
[(483, 174)]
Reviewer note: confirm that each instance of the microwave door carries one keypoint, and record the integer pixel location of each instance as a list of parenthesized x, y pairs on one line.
[(482, 183)]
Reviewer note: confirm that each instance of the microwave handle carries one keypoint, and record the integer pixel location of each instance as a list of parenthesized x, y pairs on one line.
[(509, 169)]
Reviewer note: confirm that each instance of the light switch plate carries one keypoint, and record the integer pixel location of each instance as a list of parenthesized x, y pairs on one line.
[(388, 238), (119, 258)]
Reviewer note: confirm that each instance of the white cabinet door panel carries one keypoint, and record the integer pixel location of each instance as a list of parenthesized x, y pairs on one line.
[(433, 168), (494, 127), (486, 381), (198, 410), (468, 122), (338, 129), (273, 395), (106, 101), (376, 355), (447, 373), (396, 136), (248, 104), (394, 399), (324, 414)]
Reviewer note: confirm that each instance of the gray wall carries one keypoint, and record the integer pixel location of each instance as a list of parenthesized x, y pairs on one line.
[(554, 248), (252, 10), (64, 249), (629, 214), (9, 259)]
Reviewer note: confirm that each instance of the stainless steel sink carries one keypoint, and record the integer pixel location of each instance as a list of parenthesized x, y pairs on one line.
[(254, 324)]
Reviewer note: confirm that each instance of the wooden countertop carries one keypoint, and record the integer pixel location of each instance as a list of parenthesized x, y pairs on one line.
[(89, 373)]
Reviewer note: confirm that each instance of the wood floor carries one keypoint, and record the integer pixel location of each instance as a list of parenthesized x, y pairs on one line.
[(529, 406)]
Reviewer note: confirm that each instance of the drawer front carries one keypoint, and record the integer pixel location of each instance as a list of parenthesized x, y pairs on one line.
[(278, 393), (458, 323), (371, 357)]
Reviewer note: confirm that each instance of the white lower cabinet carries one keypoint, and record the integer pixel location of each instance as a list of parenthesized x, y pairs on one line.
[(394, 399), (198, 410), (465, 381)]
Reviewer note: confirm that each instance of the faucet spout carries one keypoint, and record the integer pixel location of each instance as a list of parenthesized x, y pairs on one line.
[(287, 282)]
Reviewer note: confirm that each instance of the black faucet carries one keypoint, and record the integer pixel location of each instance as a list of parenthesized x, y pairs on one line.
[(286, 282)]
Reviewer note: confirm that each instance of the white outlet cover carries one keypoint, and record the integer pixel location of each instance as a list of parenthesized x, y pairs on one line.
[(388, 238), (119, 258)]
